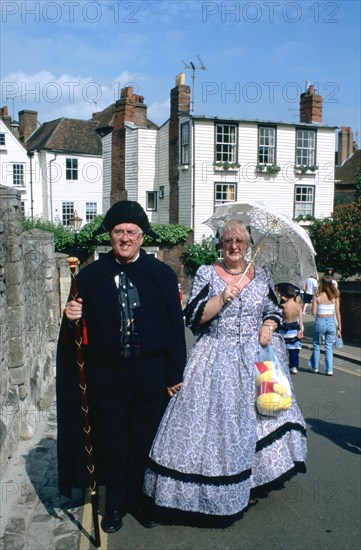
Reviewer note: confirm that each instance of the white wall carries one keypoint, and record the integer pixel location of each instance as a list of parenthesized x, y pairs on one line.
[(12, 153), (87, 188), (276, 190), (162, 172)]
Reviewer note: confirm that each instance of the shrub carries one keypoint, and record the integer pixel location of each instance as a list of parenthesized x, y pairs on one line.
[(85, 242), (197, 254)]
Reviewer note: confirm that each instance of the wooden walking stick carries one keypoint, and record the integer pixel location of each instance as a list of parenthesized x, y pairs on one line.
[(79, 338)]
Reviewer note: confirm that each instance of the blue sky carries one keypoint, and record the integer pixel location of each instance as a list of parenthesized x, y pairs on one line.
[(70, 58)]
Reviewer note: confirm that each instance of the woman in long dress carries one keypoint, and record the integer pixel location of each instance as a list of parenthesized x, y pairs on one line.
[(212, 447)]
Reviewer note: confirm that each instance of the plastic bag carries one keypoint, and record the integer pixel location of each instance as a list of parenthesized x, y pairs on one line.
[(339, 342), (273, 390)]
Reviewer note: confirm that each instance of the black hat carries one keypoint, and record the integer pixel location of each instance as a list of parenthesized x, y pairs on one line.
[(126, 212)]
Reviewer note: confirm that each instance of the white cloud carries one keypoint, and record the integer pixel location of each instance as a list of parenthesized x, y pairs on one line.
[(158, 112), (67, 95)]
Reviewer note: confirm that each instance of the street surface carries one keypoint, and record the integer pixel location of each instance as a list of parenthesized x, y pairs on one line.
[(319, 510)]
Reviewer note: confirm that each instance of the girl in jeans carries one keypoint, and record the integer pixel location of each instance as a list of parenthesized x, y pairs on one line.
[(325, 306)]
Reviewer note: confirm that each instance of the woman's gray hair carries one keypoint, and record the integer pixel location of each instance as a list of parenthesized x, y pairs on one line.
[(235, 225)]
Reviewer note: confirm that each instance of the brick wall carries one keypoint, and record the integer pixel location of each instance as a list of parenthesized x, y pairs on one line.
[(350, 309)]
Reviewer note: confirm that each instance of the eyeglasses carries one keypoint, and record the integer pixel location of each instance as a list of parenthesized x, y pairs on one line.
[(236, 242), (132, 235)]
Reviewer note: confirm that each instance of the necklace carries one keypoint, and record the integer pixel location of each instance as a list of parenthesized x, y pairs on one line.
[(234, 272)]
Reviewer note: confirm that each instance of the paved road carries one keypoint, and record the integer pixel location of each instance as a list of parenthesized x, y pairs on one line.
[(318, 510)]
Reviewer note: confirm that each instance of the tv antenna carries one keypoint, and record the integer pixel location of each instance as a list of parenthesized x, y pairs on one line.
[(192, 67), (13, 100), (294, 113)]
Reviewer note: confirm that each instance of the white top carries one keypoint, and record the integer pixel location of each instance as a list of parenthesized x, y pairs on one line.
[(325, 309), (311, 285)]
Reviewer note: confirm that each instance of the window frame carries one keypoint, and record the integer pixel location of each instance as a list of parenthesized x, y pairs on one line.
[(18, 176), (184, 142), (2, 139), (306, 150), (89, 216), (71, 170), (67, 217), (222, 155), (149, 208), (265, 146), (295, 203), (223, 184)]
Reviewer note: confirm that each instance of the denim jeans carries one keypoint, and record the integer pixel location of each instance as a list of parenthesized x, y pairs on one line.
[(324, 326)]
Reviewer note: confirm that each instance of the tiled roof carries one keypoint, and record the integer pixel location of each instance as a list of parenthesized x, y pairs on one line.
[(68, 135), (74, 136), (347, 173)]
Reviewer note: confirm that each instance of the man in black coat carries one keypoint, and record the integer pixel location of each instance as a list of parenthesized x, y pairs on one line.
[(134, 360)]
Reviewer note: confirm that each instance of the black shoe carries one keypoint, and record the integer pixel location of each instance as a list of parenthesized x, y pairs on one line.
[(112, 521), (145, 518)]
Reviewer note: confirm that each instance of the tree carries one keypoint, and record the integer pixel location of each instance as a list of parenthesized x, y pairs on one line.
[(337, 239)]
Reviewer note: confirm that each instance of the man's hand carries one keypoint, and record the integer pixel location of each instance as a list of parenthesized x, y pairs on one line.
[(172, 390), (74, 309)]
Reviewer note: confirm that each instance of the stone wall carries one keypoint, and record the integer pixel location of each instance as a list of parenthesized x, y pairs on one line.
[(29, 323)]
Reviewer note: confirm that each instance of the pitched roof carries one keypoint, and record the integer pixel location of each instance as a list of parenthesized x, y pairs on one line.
[(68, 135), (350, 169), (74, 136)]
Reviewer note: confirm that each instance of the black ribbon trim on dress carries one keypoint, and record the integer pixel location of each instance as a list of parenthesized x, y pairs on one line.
[(188, 311), (198, 478), (277, 434)]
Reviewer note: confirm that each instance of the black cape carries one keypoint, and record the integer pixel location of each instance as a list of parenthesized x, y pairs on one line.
[(159, 322)]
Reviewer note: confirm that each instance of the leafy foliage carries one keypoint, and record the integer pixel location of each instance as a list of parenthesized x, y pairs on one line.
[(85, 242), (337, 240), (197, 254), (358, 182)]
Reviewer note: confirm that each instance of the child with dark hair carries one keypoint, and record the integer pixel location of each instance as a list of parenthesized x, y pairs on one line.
[(292, 326)]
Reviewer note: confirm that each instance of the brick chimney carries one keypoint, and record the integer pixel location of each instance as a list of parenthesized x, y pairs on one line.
[(28, 123), (345, 144), (310, 105), (180, 98), (5, 117), (129, 108)]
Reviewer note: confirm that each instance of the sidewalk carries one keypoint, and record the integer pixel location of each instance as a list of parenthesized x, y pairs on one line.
[(33, 514)]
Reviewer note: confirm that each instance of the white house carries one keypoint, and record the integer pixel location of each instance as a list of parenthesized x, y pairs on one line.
[(15, 162), (68, 171), (288, 166), (183, 170)]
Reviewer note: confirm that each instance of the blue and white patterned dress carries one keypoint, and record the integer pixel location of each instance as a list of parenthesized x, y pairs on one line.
[(212, 447)]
